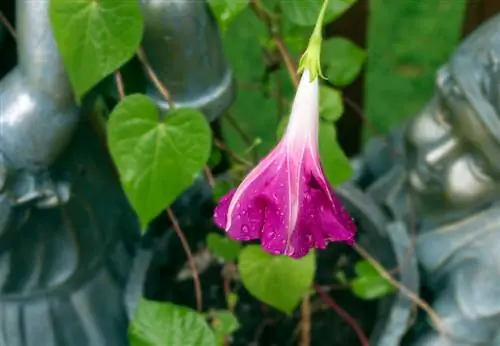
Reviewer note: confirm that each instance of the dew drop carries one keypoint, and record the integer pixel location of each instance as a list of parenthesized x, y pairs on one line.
[(244, 229)]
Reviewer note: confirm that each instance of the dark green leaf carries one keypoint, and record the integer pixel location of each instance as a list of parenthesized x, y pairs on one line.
[(231, 300), (296, 36), (331, 105), (343, 60), (221, 188), (305, 12), (157, 159), (341, 277), (279, 281), (134, 81), (223, 247), (271, 4), (166, 324), (244, 52), (95, 37), (224, 323), (280, 130), (227, 10), (369, 284), (336, 165), (215, 157)]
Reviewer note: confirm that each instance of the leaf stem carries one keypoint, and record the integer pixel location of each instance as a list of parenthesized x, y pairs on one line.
[(8, 25), (209, 176), (305, 321), (246, 138), (192, 264), (270, 23), (343, 314), (154, 78), (289, 62), (437, 321), (119, 84), (231, 153)]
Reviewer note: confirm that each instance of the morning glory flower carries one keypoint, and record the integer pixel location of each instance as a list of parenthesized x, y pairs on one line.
[(286, 200)]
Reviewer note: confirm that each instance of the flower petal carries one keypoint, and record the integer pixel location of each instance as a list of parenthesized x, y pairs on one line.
[(321, 219), (243, 210), (348, 229), (283, 203), (276, 228), (220, 213)]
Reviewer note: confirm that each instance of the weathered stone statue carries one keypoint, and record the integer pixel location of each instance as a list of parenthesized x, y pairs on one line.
[(67, 233), (441, 173)]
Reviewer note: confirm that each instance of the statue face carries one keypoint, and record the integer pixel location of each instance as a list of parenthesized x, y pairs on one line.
[(450, 148), (454, 142)]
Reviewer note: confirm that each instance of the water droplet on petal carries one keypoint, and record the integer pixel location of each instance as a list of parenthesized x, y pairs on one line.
[(244, 229)]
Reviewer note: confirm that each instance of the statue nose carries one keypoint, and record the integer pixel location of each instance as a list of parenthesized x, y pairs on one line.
[(37, 111)]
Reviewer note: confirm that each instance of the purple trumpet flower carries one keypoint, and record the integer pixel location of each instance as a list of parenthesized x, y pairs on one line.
[(286, 201)]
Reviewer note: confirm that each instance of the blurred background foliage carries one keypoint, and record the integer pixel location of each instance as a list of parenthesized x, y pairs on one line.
[(406, 42)]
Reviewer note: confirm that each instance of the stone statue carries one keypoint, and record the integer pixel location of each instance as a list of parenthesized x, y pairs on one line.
[(67, 233), (441, 172)]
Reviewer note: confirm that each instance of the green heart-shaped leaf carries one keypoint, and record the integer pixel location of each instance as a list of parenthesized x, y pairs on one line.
[(331, 105), (369, 284), (224, 323), (227, 10), (337, 167), (223, 247), (166, 324), (279, 281), (95, 37), (157, 160), (343, 60)]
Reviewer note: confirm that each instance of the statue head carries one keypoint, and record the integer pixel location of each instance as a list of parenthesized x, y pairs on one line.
[(453, 144)]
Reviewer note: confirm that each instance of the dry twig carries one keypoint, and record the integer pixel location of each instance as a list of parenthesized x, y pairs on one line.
[(305, 323), (192, 264), (8, 25), (344, 314)]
